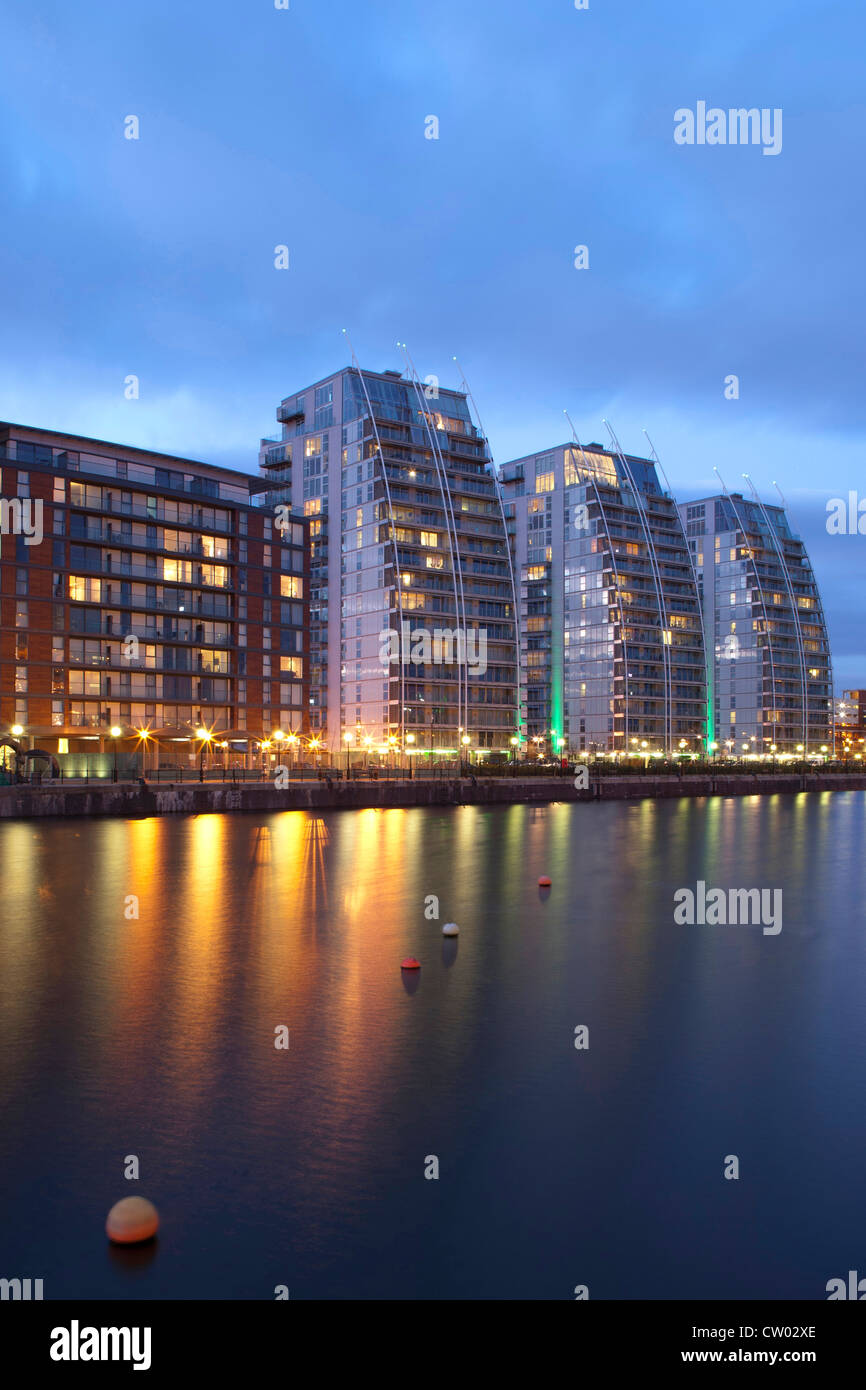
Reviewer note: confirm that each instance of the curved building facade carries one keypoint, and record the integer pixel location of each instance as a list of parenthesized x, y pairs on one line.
[(413, 622), (611, 626), (769, 665)]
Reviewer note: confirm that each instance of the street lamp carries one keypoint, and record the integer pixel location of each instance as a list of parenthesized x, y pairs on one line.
[(347, 739), (464, 744), (17, 730), (115, 734), (278, 736), (205, 737), (410, 738), (143, 736)]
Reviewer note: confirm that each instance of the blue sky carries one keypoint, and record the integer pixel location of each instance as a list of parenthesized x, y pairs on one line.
[(305, 127)]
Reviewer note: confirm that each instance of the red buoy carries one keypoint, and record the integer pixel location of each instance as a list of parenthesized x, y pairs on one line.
[(544, 883), (410, 963)]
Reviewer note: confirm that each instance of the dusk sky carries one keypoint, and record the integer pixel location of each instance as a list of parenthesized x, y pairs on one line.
[(306, 127)]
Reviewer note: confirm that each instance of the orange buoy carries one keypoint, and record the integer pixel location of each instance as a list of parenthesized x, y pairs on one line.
[(131, 1220), (410, 963), (544, 883)]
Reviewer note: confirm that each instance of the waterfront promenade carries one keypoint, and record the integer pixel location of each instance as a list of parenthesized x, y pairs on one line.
[(134, 799)]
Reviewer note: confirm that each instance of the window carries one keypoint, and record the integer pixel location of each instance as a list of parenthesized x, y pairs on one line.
[(177, 571), (544, 482), (216, 576), (84, 590), (291, 586), (323, 414)]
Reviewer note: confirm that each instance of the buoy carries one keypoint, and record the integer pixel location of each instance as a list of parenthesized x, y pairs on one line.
[(410, 963), (544, 882), (450, 929), (131, 1220)]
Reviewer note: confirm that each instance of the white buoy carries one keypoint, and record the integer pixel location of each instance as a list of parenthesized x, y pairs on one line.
[(450, 929)]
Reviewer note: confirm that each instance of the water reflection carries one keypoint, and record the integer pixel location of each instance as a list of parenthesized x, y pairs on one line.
[(145, 965)]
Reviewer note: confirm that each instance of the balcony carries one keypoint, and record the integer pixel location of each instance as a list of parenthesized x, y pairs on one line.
[(290, 410), (281, 453), (154, 514)]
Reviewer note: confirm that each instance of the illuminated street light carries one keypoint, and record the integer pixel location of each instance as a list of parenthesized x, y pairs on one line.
[(143, 736), (115, 733), (205, 735)]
